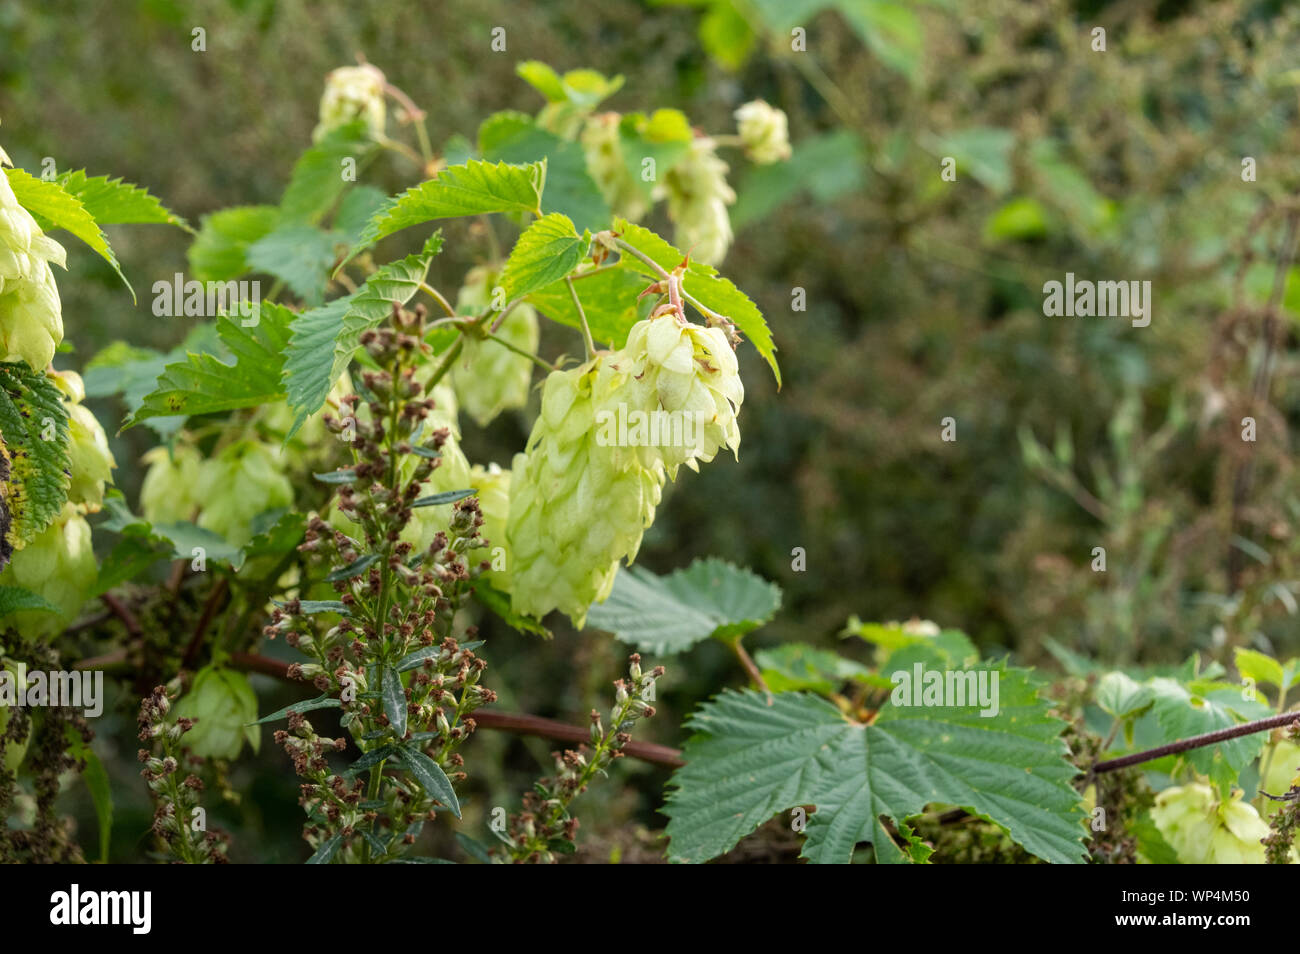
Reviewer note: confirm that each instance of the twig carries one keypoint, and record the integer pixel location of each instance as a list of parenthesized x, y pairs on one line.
[(1198, 741), (122, 612), (218, 593), (540, 362), (750, 667), (517, 722), (452, 354), (582, 317), (439, 298)]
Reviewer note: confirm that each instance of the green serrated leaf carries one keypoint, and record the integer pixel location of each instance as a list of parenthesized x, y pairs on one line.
[(548, 250), (203, 384), (323, 340), (792, 667), (703, 283), (1123, 697), (115, 202), (54, 207), (318, 179), (220, 252), (669, 614), (299, 255), (36, 485), (1263, 669), (476, 188), (753, 757), (15, 599), (570, 190), (431, 777)]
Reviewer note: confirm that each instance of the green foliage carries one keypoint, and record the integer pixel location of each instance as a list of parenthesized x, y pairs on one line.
[(669, 614), (34, 435), (752, 758), (204, 384), (115, 202), (54, 207), (548, 251)]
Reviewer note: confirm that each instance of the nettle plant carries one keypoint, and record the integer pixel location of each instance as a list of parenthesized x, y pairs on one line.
[(309, 487)]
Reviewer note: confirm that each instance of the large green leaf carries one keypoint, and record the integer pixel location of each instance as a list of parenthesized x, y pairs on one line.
[(668, 614), (203, 384), (323, 340), (299, 255), (114, 202), (34, 438), (476, 188), (133, 372), (570, 190), (1189, 708), (548, 250), (703, 283), (54, 207), (317, 180), (220, 252), (754, 757)]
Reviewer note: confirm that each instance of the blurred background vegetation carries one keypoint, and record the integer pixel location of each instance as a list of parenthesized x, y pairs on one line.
[(923, 302)]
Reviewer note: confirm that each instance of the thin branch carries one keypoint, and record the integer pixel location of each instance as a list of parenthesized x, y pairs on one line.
[(517, 722), (1198, 741), (122, 612), (439, 298), (540, 362), (582, 317), (637, 253), (452, 354), (219, 592), (751, 667)]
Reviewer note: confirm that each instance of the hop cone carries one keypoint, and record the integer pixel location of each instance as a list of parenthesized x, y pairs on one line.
[(489, 378), (1283, 772), (222, 703), (58, 566), (576, 507), (764, 131), (245, 479), (493, 486), (31, 317), (607, 165), (92, 461), (1203, 829), (698, 196), (352, 92), (673, 394), (167, 494)]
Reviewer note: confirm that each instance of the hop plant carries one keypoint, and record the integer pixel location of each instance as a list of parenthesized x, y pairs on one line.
[(576, 507), (92, 461), (352, 92), (698, 196), (493, 486), (168, 491), (607, 164), (31, 316), (1204, 829), (685, 380), (59, 566), (764, 131), (221, 704), (245, 479), (489, 378)]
